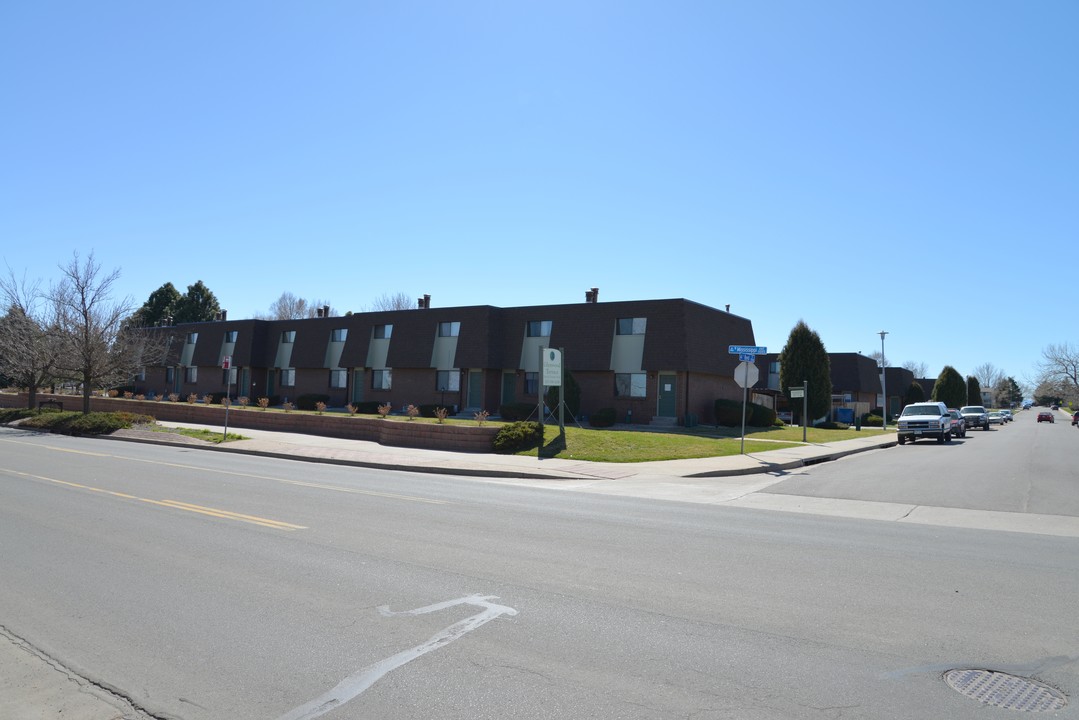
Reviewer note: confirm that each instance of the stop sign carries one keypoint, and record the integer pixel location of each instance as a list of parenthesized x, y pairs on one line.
[(746, 374)]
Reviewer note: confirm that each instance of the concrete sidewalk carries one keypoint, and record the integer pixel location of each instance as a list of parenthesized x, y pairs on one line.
[(313, 448)]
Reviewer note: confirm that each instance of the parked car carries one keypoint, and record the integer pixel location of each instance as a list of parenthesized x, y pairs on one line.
[(976, 416), (927, 419), (959, 423), (1075, 418), (995, 417), (1045, 417), (1007, 414)]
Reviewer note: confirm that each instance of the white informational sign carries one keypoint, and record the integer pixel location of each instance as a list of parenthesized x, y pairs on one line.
[(552, 367)]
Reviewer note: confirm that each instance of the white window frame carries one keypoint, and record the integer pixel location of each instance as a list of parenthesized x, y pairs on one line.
[(448, 380), (287, 377), (449, 329), (338, 378), (382, 379), (382, 332), (339, 335), (191, 375)]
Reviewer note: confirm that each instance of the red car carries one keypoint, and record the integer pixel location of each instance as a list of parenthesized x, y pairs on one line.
[(1047, 417)]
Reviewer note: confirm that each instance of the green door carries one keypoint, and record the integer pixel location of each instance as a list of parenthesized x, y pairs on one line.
[(668, 401), (509, 388), (475, 389)]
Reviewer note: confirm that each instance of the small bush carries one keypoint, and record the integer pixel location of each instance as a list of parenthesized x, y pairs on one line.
[(832, 425), (95, 423), (192, 399), (243, 400), (481, 417), (518, 436), (264, 402), (760, 415), (310, 401), (287, 407), (429, 411), (511, 412), (871, 420), (728, 412), (384, 410), (320, 407), (440, 414), (412, 411), (369, 407), (604, 417)]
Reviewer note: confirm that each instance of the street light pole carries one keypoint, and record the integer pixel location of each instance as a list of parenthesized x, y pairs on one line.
[(883, 384)]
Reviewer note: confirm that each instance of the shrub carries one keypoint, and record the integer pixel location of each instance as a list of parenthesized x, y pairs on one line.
[(728, 412), (832, 425), (481, 417), (512, 412), (428, 411), (441, 414), (604, 417), (369, 407), (264, 402), (310, 401), (384, 410), (871, 420), (760, 415), (287, 407), (320, 407), (95, 423), (174, 397), (243, 400), (412, 411), (215, 398), (192, 399), (518, 436)]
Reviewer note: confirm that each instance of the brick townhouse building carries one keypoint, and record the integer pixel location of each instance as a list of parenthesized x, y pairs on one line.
[(645, 358)]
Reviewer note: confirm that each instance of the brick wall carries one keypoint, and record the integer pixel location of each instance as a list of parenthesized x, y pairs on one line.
[(397, 433)]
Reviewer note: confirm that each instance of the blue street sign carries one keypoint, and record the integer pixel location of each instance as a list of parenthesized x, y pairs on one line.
[(746, 350), (745, 357)]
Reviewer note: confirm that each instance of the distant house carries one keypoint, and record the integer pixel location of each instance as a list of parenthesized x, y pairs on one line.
[(855, 383)]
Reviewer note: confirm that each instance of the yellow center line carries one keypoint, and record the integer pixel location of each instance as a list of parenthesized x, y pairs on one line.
[(174, 504), (336, 488)]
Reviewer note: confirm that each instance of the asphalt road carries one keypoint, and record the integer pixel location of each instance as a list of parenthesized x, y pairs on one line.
[(202, 585), (1021, 467)]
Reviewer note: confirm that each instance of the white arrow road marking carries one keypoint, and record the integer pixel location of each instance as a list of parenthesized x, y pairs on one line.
[(359, 681)]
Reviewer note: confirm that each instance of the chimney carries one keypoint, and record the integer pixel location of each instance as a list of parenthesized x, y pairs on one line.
[(425, 302), (591, 296), (728, 307), (318, 312), (325, 311), (224, 315)]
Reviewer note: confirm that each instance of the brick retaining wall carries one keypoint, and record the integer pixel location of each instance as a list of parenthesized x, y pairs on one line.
[(397, 433)]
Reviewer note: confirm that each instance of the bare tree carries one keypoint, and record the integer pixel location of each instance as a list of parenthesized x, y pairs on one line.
[(396, 301), (1059, 369), (291, 307), (100, 349), (877, 357), (919, 369), (990, 378), (29, 341)]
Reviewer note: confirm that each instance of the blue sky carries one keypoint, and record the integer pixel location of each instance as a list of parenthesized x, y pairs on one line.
[(910, 167)]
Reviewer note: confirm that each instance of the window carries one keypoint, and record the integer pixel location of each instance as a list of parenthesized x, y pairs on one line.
[(448, 380), (631, 326), (288, 377), (192, 338), (230, 336), (228, 376), (773, 368), (381, 379), (339, 335), (531, 383), (191, 375), (383, 332), (630, 384), (170, 375), (338, 378), (539, 328), (288, 336), (449, 329)]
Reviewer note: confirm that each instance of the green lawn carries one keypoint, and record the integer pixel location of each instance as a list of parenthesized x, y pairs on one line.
[(638, 445)]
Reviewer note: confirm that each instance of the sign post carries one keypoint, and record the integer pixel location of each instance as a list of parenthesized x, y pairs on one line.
[(746, 375), (554, 372), (226, 365), (802, 392)]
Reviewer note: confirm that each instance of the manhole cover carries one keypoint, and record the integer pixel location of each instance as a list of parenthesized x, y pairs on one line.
[(1005, 691)]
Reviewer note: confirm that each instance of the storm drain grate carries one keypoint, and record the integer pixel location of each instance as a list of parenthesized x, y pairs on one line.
[(1005, 691)]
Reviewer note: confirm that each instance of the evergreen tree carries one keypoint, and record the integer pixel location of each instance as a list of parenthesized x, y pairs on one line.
[(197, 305), (950, 388), (160, 305), (915, 393), (974, 391), (804, 358)]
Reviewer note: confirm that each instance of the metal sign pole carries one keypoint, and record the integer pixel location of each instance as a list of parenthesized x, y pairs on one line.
[(228, 392), (562, 393), (745, 394), (805, 407)]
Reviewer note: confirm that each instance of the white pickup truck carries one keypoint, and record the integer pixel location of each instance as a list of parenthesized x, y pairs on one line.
[(927, 419)]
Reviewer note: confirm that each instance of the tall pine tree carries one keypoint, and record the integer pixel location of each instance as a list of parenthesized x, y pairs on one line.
[(804, 358)]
